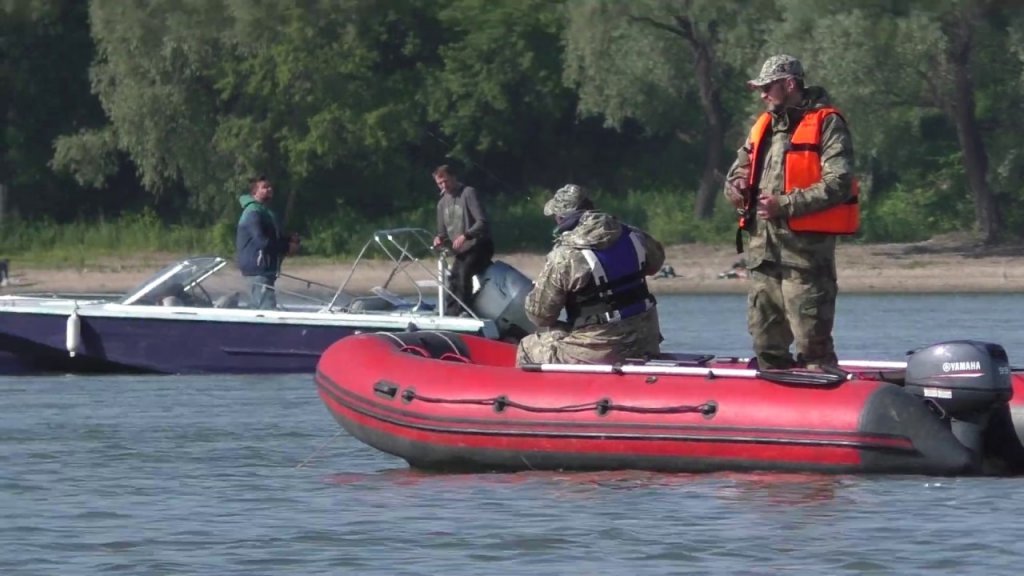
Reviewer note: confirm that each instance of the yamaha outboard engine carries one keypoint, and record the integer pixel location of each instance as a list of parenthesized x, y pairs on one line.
[(966, 380), (502, 298)]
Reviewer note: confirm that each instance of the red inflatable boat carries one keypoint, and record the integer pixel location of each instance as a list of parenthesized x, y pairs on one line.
[(444, 401)]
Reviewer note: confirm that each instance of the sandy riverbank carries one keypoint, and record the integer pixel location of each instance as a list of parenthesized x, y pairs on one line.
[(939, 265)]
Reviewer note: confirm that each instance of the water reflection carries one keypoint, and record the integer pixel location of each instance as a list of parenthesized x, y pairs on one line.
[(772, 489)]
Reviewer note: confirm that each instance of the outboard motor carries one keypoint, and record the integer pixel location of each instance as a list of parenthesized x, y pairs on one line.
[(502, 298), (966, 380)]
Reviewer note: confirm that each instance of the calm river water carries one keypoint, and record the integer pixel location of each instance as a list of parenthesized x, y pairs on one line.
[(250, 475)]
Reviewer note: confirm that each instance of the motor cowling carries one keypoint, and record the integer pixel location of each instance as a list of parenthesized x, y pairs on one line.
[(962, 376), (502, 298), (966, 380)]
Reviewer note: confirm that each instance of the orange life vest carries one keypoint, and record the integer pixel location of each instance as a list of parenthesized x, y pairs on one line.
[(802, 166)]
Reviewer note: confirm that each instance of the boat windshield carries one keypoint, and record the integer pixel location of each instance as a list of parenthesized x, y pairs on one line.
[(173, 280)]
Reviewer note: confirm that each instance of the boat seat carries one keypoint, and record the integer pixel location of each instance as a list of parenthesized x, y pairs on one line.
[(447, 356), (429, 344), (674, 359), (370, 304), (390, 297), (227, 301), (455, 357), (418, 350)]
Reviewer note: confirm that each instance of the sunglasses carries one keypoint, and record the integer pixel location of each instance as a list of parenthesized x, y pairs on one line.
[(767, 87)]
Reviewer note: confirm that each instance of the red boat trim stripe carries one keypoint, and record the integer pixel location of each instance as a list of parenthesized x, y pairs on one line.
[(401, 418)]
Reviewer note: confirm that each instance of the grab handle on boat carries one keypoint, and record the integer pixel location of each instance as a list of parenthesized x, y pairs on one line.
[(792, 377), (386, 389)]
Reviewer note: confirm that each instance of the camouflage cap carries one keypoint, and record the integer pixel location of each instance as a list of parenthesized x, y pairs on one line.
[(566, 199), (776, 68)]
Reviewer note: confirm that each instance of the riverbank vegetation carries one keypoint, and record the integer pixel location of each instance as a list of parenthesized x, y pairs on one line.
[(133, 125)]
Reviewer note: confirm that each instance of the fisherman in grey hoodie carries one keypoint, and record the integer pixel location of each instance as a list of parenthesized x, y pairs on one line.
[(462, 221)]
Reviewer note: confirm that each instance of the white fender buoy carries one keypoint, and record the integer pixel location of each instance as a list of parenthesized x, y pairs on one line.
[(442, 282), (74, 333)]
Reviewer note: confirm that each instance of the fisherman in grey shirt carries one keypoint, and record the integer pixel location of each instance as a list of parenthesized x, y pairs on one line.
[(462, 222)]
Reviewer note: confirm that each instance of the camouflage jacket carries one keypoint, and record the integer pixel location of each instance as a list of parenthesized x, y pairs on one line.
[(566, 271), (773, 240)]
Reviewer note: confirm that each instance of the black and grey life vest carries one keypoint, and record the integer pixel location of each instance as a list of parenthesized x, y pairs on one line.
[(619, 290)]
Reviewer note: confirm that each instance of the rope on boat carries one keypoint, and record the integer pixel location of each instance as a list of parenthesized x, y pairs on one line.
[(602, 407)]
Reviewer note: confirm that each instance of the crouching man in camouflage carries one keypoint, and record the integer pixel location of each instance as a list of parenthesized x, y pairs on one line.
[(596, 272)]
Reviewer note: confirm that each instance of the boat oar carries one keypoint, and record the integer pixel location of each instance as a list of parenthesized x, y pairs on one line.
[(830, 378), (875, 364)]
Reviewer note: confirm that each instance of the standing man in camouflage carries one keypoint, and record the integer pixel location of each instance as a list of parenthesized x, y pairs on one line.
[(596, 272), (462, 221), (793, 185)]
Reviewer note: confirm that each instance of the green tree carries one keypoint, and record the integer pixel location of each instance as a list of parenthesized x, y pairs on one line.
[(665, 64), (202, 94), (333, 94), (903, 71), (498, 104), (151, 73), (45, 49), (498, 93)]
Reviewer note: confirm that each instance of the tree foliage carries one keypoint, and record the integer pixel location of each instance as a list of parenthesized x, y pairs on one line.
[(667, 65), (113, 105), (500, 69), (45, 50), (920, 81)]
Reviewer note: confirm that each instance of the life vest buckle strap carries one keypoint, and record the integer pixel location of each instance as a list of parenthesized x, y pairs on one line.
[(612, 316)]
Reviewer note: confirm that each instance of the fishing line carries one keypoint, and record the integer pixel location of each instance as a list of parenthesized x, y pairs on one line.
[(319, 448)]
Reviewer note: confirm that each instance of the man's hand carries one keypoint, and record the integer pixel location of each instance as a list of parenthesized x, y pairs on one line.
[(735, 191), (293, 244), (437, 241), (457, 244), (768, 207)]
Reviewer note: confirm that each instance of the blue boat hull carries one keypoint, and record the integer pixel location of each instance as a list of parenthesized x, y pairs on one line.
[(37, 342)]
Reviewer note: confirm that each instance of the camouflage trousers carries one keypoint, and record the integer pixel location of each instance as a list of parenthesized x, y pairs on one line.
[(636, 337), (788, 306)]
